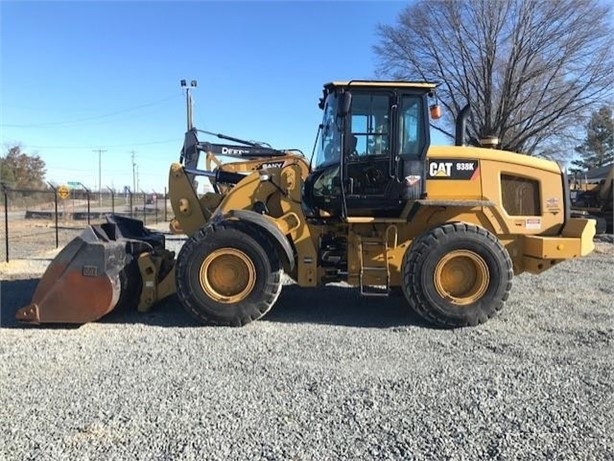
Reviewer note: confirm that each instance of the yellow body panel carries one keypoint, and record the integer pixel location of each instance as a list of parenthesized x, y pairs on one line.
[(500, 156), (575, 240), (534, 241), (189, 214), (552, 247), (487, 185)]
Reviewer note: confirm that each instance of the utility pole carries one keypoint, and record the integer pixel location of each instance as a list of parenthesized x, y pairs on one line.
[(188, 97), (133, 172), (100, 151)]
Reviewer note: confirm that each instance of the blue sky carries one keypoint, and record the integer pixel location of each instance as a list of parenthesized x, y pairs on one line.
[(80, 76)]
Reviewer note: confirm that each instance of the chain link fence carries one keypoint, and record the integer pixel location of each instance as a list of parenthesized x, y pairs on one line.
[(37, 221)]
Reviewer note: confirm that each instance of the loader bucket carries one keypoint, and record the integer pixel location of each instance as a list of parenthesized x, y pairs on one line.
[(92, 274)]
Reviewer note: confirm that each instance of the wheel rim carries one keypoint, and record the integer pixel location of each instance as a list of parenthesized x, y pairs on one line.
[(462, 277), (227, 275)]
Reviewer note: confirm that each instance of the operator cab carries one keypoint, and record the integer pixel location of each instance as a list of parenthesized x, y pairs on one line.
[(371, 149)]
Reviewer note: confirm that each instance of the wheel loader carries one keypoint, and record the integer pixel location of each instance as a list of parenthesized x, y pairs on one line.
[(376, 206)]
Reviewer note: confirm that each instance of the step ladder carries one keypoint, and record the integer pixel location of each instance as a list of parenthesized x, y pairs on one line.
[(374, 271)]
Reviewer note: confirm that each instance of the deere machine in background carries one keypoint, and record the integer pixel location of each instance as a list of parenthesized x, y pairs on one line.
[(596, 201), (377, 207)]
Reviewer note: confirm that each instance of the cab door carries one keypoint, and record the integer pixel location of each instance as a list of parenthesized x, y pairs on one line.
[(384, 153), (370, 183)]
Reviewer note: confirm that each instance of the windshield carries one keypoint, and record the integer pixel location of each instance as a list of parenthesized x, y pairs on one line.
[(329, 146)]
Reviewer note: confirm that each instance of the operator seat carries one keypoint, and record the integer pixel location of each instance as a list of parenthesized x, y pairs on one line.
[(353, 141)]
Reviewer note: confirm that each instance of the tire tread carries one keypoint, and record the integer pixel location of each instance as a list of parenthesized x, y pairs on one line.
[(411, 278), (271, 290)]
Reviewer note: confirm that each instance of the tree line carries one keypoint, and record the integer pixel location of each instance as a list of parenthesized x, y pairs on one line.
[(20, 170), (532, 70)]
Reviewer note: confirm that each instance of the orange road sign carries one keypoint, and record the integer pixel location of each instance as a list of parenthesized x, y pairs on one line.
[(63, 192)]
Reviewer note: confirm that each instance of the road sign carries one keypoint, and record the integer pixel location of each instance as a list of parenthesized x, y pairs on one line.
[(63, 192), (74, 183)]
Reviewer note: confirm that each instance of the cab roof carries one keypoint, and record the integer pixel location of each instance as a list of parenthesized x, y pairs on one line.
[(380, 84)]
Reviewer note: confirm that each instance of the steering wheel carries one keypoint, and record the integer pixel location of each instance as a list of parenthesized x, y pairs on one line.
[(374, 175)]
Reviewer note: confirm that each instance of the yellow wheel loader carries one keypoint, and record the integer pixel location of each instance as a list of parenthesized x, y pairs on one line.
[(376, 207)]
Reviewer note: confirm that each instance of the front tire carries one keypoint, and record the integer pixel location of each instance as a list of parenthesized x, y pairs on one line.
[(228, 274), (457, 275)]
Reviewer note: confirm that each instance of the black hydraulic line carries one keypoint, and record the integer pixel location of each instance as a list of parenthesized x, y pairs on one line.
[(229, 177), (219, 175), (230, 138)]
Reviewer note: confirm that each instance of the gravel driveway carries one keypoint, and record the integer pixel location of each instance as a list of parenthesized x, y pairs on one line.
[(326, 375)]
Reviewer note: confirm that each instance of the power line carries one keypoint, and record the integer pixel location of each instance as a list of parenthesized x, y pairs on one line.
[(87, 119), (167, 141)]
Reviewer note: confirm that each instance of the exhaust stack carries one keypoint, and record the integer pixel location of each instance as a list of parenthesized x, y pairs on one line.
[(461, 125)]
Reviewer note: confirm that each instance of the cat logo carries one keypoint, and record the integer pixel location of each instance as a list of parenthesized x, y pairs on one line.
[(440, 169), (453, 169)]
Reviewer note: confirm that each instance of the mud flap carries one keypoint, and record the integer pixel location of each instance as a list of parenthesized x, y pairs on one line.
[(94, 273)]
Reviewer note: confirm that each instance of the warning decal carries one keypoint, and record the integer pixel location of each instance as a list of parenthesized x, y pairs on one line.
[(533, 223)]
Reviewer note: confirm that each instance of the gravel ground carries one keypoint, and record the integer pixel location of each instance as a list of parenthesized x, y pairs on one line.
[(326, 375)]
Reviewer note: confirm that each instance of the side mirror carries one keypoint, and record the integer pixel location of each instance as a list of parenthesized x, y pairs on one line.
[(346, 103)]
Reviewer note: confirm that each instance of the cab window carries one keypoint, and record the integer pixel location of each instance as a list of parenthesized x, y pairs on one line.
[(370, 125), (412, 138)]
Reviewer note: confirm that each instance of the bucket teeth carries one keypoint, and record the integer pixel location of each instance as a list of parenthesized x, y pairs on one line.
[(28, 314)]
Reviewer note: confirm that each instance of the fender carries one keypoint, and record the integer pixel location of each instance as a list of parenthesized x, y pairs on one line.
[(257, 219)]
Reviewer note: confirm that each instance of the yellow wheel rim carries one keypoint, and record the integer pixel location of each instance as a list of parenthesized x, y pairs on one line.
[(227, 275), (462, 277)]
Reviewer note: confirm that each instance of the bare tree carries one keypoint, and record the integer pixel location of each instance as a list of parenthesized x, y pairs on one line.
[(531, 69)]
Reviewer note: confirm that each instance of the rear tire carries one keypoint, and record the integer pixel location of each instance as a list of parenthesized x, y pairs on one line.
[(457, 275), (228, 274), (601, 225)]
